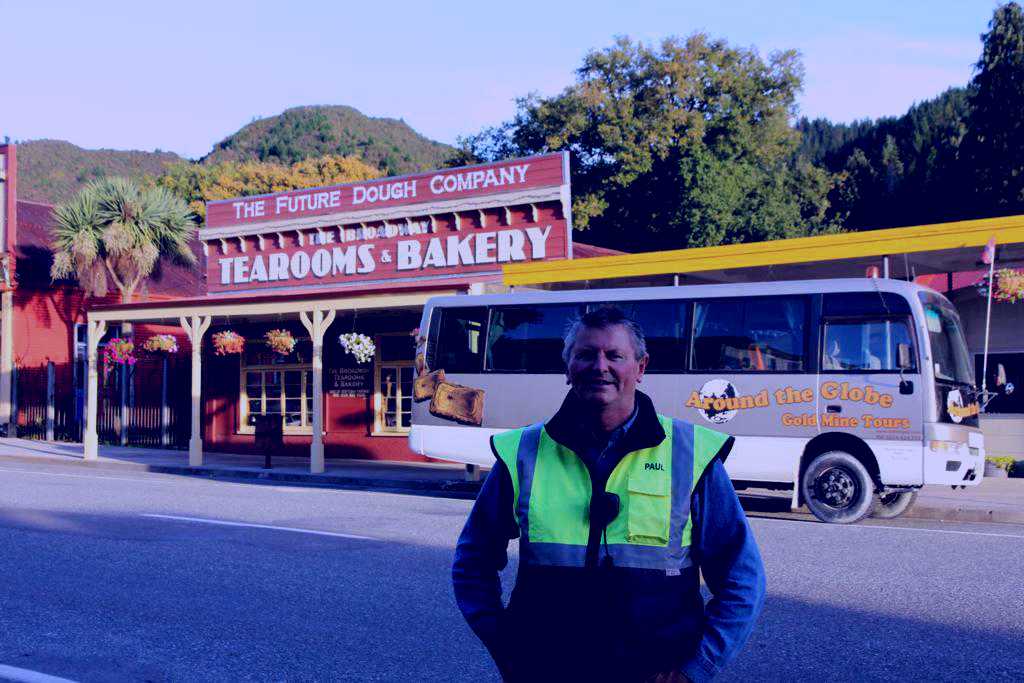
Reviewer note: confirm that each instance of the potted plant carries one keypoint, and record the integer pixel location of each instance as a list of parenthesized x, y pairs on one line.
[(280, 341), (228, 342), (359, 345), (161, 343), (1009, 286), (120, 352)]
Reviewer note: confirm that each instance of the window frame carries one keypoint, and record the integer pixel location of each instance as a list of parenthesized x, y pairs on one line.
[(908, 321), (486, 370), (808, 362), (379, 428), (977, 358), (306, 394), (437, 322), (687, 321)]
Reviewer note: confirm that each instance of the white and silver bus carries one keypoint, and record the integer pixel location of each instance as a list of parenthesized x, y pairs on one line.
[(853, 393)]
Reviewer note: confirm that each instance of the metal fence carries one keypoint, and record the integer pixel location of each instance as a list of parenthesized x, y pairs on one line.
[(147, 404)]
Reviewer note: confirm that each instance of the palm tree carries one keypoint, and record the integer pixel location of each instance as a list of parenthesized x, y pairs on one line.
[(113, 228)]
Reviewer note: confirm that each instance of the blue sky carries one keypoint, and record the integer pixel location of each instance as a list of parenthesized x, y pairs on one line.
[(182, 75)]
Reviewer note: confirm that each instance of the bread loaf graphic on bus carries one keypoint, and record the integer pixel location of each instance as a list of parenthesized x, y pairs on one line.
[(425, 385), (459, 403)]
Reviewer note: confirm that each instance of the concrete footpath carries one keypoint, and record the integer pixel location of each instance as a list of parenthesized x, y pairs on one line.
[(994, 500)]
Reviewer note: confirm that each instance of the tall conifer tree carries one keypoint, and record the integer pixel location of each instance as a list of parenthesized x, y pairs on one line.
[(993, 149)]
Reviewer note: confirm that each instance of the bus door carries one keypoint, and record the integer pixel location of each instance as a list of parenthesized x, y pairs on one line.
[(869, 383)]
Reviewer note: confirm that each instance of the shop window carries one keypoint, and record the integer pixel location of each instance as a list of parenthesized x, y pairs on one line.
[(761, 334), (864, 345), (272, 384), (286, 393), (393, 378), (1005, 380), (528, 338)]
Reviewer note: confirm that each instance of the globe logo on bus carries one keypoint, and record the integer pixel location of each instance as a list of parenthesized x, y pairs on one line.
[(712, 390), (955, 405)]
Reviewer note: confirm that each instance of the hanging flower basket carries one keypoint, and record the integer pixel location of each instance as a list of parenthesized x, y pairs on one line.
[(161, 343), (228, 342), (359, 345), (119, 351), (280, 341), (1009, 286)]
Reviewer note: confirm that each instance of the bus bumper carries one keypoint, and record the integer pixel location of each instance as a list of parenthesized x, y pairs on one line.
[(953, 455)]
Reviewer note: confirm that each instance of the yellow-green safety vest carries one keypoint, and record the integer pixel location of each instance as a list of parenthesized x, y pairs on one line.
[(552, 491)]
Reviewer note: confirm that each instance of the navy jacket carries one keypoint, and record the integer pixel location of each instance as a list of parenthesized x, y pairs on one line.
[(614, 624)]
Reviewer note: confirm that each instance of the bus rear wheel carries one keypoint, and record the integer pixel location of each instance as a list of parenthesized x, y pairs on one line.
[(838, 488), (892, 505)]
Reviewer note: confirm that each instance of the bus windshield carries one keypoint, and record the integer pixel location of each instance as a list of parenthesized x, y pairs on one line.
[(949, 348)]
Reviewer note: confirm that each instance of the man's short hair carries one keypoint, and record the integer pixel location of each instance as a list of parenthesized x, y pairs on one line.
[(601, 318)]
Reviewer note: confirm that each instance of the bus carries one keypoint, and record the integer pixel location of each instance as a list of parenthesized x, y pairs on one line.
[(851, 393)]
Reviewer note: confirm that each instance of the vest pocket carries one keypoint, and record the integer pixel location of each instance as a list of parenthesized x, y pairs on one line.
[(649, 510)]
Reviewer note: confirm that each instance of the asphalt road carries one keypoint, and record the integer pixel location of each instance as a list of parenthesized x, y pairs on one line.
[(110, 576)]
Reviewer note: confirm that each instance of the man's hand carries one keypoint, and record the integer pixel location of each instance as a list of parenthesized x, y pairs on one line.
[(669, 677)]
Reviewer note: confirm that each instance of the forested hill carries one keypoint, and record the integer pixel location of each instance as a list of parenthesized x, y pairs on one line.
[(52, 171), (304, 132), (894, 170)]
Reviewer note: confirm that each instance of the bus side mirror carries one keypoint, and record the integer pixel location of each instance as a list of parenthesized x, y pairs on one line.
[(903, 357)]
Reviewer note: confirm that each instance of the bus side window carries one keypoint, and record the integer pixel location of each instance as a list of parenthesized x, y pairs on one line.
[(864, 345), (528, 338), (664, 326), (457, 338), (760, 334)]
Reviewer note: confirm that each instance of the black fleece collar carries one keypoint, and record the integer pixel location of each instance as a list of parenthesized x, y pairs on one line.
[(566, 427)]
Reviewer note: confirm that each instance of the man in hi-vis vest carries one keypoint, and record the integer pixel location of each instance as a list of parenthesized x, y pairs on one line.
[(618, 511)]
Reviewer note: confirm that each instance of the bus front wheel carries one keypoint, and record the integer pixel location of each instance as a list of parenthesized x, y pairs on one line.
[(838, 488), (892, 505)]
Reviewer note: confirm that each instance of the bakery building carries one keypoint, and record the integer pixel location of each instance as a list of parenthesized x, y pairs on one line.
[(313, 299)]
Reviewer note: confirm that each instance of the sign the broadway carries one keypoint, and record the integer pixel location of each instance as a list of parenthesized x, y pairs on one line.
[(356, 240)]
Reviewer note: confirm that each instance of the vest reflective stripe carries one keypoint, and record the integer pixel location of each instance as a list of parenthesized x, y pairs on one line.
[(622, 554), (706, 444), (552, 491)]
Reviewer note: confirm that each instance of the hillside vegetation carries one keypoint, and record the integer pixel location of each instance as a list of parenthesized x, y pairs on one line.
[(305, 132), (52, 171)]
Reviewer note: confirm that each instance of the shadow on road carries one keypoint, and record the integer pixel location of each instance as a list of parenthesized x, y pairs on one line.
[(95, 596)]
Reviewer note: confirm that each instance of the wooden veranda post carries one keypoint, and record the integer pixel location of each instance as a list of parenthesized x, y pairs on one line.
[(317, 326), (91, 439), (195, 327)]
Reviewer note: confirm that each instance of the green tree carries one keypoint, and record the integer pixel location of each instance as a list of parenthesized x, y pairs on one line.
[(992, 148), (114, 229), (685, 144), (200, 183)]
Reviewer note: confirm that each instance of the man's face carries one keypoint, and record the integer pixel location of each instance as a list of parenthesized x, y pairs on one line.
[(603, 367)]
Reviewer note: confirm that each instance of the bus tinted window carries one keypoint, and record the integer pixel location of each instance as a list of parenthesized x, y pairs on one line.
[(456, 339), (751, 335), (664, 326), (863, 303), (528, 338), (864, 345)]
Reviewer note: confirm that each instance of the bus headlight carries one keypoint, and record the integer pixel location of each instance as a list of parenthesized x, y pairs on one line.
[(940, 446)]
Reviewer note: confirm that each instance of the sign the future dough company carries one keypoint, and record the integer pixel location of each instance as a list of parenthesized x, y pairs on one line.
[(358, 241)]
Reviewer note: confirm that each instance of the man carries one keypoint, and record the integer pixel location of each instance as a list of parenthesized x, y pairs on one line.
[(618, 510)]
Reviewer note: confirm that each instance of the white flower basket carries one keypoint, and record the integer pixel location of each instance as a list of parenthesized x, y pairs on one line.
[(359, 345)]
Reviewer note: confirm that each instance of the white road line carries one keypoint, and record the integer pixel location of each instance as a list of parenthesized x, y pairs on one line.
[(167, 478), (896, 528), (85, 476), (222, 522), (13, 673)]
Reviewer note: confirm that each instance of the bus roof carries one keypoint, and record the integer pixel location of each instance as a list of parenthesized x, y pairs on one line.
[(745, 289)]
